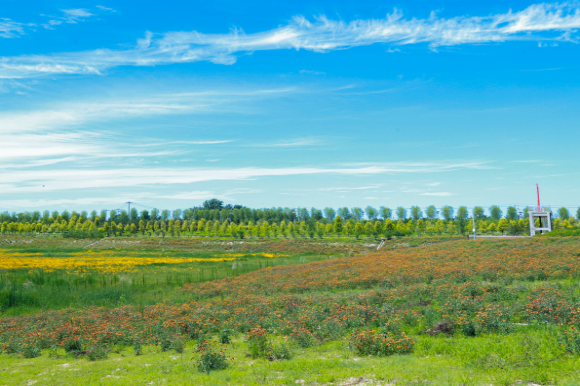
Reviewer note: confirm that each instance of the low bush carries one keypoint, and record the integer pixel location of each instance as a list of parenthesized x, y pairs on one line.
[(225, 336), (73, 345), (280, 352), (97, 353), (303, 337), (495, 318), (211, 356), (31, 351), (178, 345), (372, 342), (258, 342), (570, 340)]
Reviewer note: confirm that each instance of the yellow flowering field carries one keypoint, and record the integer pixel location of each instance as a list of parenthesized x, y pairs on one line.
[(101, 261), (261, 254)]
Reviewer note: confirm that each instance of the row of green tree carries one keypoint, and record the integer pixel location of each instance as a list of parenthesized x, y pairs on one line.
[(215, 210), (311, 227)]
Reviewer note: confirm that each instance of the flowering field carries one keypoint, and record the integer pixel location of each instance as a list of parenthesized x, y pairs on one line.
[(108, 261), (457, 301)]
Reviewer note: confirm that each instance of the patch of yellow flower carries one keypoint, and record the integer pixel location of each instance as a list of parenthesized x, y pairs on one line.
[(263, 254), (102, 261)]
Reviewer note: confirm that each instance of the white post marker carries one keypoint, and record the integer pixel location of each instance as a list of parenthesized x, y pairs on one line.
[(474, 224)]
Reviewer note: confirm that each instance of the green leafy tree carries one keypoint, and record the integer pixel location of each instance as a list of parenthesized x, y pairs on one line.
[(401, 226), (451, 228), (462, 213), (420, 226), (358, 229), (495, 212), (329, 213), (338, 225), (502, 226), (478, 212), (564, 213), (214, 203), (357, 213), (385, 212), (401, 213), (439, 227), (431, 212), (447, 212), (416, 213), (378, 228), (369, 229), (512, 214), (349, 229), (389, 226), (344, 213), (371, 212)]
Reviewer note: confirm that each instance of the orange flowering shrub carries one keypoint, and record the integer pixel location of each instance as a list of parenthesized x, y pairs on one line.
[(458, 261), (371, 342)]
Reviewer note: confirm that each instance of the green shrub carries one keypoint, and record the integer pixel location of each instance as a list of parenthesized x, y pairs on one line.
[(178, 346), (212, 356), (31, 351), (331, 329), (73, 345), (258, 342), (97, 353), (303, 337), (166, 343), (280, 352), (225, 336)]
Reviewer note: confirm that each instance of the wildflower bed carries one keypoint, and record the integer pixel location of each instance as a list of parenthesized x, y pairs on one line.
[(414, 302), (108, 261)]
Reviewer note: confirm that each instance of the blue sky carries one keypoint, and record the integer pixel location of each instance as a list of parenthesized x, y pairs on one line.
[(298, 104)]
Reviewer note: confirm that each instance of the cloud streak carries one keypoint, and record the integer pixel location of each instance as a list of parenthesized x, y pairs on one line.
[(53, 180), (542, 22), (11, 29)]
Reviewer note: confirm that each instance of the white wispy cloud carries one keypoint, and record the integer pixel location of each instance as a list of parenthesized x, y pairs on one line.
[(439, 194), (11, 29), (74, 15), (346, 189), (291, 143), (69, 16), (67, 179), (28, 203), (60, 130), (537, 22), (312, 72), (101, 7), (70, 113)]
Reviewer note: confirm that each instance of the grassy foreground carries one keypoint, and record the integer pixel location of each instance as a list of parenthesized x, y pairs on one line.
[(458, 313), (528, 356)]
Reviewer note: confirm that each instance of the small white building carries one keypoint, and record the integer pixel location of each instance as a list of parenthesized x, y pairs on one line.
[(545, 217)]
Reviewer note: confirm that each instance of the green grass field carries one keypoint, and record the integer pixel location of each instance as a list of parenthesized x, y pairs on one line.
[(418, 312)]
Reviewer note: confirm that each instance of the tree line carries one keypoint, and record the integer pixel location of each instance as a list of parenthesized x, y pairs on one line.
[(214, 218)]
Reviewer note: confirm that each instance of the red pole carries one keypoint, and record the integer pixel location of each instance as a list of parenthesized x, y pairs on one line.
[(538, 190)]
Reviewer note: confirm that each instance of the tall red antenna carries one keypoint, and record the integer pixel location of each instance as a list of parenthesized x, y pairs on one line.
[(538, 190)]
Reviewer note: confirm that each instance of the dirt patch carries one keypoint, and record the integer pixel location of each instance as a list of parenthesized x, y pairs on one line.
[(444, 327)]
